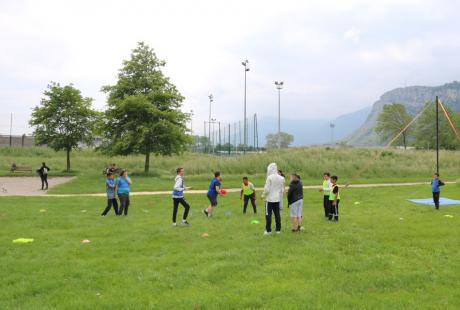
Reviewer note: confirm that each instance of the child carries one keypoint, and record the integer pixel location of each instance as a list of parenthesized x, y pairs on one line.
[(213, 191), (435, 184), (273, 195), (334, 200), (123, 189), (295, 202), (110, 190), (280, 172), (249, 192), (178, 197), (43, 173), (326, 190)]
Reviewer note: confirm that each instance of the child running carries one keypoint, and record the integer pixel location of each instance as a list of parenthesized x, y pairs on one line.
[(295, 202), (213, 191), (334, 200), (435, 184), (326, 190), (248, 191), (178, 197), (123, 189), (110, 190)]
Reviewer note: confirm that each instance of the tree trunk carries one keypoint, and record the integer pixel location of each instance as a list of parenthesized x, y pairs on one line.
[(404, 139), (68, 159), (147, 162)]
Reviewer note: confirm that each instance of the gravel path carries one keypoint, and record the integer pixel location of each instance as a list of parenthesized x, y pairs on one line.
[(27, 186)]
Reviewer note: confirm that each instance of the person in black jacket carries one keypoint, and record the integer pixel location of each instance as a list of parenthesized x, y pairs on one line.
[(295, 202), (43, 173)]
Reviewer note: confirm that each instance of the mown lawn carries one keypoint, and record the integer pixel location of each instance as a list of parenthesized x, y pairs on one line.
[(385, 253)]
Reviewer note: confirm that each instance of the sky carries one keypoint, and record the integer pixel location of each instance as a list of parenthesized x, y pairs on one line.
[(334, 56)]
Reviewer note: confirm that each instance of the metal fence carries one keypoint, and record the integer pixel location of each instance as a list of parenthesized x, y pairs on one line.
[(17, 141)]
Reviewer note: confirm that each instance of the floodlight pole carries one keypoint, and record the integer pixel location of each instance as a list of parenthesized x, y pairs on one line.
[(245, 125), (279, 87), (211, 99), (437, 134)]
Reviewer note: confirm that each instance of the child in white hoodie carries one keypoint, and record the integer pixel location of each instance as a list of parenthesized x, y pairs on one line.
[(273, 194), (178, 197)]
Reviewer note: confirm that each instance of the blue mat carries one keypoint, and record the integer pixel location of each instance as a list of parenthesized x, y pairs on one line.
[(442, 201)]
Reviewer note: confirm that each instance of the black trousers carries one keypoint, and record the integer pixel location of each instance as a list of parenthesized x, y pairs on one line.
[(436, 199), (124, 203), (334, 211), (111, 202), (326, 205), (246, 199), (176, 202), (44, 178), (272, 207)]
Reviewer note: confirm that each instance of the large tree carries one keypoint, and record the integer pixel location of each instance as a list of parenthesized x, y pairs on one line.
[(63, 119), (143, 114), (425, 129), (281, 140), (392, 121)]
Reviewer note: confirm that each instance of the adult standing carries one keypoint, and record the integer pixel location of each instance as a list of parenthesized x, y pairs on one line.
[(273, 194), (178, 197), (123, 188), (43, 173)]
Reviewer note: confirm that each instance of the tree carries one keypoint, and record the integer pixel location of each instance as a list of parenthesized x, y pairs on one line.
[(63, 119), (392, 121), (143, 114), (276, 140), (425, 129)]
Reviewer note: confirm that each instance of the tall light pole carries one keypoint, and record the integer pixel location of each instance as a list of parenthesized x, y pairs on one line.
[(211, 99), (279, 87), (332, 126), (245, 138), (191, 122)]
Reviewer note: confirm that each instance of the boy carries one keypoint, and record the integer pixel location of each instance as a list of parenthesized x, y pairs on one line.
[(178, 197), (435, 184), (110, 190), (123, 188), (295, 202), (249, 192), (273, 195), (326, 190), (213, 192), (43, 173), (334, 200)]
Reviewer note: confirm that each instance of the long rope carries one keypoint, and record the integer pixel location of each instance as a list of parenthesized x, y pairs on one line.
[(449, 119), (366, 166)]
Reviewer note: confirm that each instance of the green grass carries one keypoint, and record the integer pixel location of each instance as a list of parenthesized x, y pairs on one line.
[(392, 166), (369, 260)]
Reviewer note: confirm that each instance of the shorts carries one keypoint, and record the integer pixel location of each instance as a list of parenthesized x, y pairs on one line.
[(296, 208), (212, 200)]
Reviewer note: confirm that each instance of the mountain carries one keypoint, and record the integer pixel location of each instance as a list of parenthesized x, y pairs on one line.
[(413, 97), (308, 132)]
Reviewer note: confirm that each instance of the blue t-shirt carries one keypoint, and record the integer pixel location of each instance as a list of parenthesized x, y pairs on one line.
[(435, 185), (212, 187), (123, 185), (110, 188)]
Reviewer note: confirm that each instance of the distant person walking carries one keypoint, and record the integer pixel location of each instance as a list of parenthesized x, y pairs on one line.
[(326, 190), (248, 193), (123, 189), (178, 197), (43, 173), (110, 186), (334, 200), (435, 184), (273, 194)]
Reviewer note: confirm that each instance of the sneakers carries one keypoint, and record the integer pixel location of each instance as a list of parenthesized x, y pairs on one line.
[(278, 232), (174, 224), (185, 223), (205, 212), (267, 233)]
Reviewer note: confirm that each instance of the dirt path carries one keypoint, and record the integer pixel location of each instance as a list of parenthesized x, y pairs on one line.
[(27, 186)]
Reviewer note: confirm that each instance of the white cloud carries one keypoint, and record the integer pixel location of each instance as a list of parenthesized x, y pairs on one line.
[(352, 35)]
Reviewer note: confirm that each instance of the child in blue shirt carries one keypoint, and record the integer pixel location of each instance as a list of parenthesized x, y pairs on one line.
[(123, 189), (213, 191), (110, 190), (435, 184)]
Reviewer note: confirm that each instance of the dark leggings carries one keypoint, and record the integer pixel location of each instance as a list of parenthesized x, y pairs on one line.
[(44, 178), (275, 208), (334, 210), (124, 203), (176, 202), (326, 205), (436, 199), (252, 198), (111, 202)]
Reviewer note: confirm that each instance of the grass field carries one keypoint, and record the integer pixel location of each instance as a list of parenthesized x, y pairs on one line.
[(392, 166), (385, 253)]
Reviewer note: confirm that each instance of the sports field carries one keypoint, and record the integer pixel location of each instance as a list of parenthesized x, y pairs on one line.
[(385, 253)]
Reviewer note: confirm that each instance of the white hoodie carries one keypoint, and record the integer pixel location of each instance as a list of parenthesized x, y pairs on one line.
[(274, 184)]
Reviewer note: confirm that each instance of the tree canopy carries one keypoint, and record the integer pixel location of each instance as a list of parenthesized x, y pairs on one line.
[(63, 119), (392, 121), (143, 114), (282, 140)]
